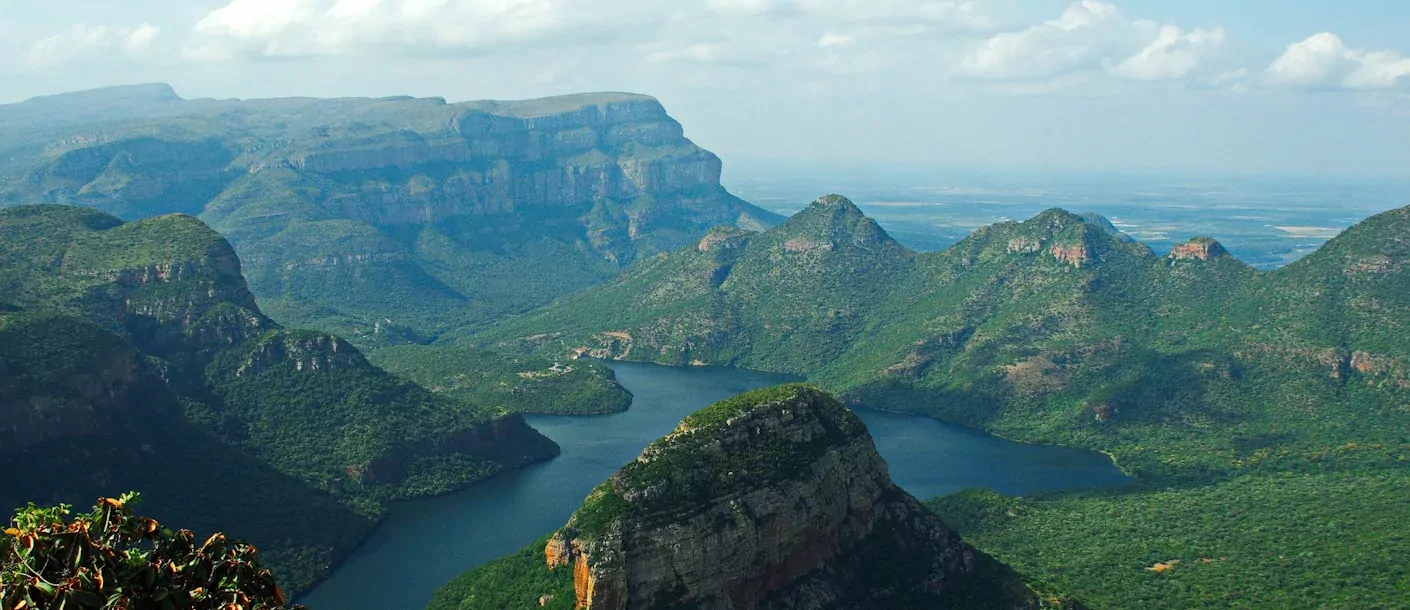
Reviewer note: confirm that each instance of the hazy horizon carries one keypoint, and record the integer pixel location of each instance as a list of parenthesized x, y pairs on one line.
[(1130, 86)]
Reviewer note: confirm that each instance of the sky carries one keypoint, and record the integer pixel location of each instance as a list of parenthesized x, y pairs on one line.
[(1299, 87)]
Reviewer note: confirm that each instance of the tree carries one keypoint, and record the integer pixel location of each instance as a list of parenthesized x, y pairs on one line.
[(111, 559)]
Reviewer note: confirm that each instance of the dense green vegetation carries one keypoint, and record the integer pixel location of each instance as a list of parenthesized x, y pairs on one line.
[(1333, 540), (384, 220), (1191, 370), (783, 300), (685, 464), (686, 469), (132, 356), (524, 384), (521, 581), (110, 558)]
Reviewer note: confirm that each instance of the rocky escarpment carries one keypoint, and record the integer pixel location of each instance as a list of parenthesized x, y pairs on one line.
[(170, 285), (773, 499), (597, 146), (455, 208)]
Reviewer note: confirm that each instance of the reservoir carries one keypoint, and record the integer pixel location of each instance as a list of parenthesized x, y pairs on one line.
[(424, 544)]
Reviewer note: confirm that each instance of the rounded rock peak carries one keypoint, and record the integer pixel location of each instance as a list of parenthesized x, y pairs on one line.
[(837, 202), (1199, 248)]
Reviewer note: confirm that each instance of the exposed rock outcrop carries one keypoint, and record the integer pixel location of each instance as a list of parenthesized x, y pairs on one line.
[(1199, 248), (1072, 254), (773, 499), (723, 238)]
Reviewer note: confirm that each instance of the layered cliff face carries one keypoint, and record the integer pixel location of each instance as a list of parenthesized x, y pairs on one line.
[(774, 499), (357, 215), (141, 338)]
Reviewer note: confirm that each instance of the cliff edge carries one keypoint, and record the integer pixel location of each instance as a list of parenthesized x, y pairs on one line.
[(774, 499)]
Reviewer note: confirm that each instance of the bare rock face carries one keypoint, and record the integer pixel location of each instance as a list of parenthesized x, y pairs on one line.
[(1199, 248), (1075, 254), (774, 499)]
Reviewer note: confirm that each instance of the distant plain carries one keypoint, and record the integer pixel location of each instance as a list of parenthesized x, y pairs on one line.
[(1266, 221)]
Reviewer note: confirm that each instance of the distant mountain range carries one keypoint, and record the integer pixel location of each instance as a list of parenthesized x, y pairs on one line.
[(385, 220)]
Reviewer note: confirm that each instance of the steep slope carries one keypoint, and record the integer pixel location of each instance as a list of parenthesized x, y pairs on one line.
[(84, 414), (1352, 294), (394, 219), (124, 323), (782, 300), (772, 499), (1204, 378)]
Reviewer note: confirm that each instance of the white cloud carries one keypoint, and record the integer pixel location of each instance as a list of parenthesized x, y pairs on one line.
[(952, 14), (1309, 62), (1080, 36), (1323, 60), (1172, 55), (1377, 69), (291, 28), (944, 14), (273, 28), (1091, 35), (83, 40), (141, 38), (832, 39)]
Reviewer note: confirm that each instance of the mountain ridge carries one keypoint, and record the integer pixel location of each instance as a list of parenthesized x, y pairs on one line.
[(1047, 312)]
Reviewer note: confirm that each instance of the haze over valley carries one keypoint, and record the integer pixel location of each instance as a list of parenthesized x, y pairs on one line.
[(721, 305)]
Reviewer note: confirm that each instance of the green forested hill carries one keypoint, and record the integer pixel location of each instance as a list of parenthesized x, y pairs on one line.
[(84, 414), (134, 357), (783, 300), (389, 220), (1192, 370), (523, 384)]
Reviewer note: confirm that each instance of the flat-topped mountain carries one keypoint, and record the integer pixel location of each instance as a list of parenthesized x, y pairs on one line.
[(772, 499), (388, 219)]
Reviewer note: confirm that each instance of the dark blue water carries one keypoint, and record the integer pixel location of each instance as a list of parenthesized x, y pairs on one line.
[(426, 543)]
